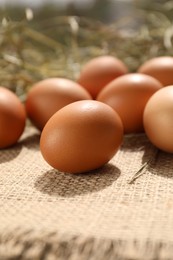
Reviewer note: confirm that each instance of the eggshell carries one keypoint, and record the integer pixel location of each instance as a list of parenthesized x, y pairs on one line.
[(128, 96), (48, 96), (12, 118), (158, 119), (160, 68), (99, 71), (82, 136)]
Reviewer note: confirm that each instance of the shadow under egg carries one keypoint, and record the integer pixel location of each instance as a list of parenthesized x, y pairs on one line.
[(57, 184)]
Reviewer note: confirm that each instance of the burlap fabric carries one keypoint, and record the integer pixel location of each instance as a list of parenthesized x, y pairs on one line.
[(45, 214)]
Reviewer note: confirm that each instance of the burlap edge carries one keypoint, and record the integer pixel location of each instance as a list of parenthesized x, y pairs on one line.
[(30, 246)]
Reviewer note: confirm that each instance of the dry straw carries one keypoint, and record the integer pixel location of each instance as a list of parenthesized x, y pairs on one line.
[(32, 50)]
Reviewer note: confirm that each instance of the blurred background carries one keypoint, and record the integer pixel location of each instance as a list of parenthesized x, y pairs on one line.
[(50, 38), (128, 13), (103, 10)]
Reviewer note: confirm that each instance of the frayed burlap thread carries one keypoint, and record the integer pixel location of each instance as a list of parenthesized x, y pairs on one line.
[(45, 214)]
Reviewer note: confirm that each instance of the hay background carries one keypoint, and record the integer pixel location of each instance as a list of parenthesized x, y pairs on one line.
[(45, 214)]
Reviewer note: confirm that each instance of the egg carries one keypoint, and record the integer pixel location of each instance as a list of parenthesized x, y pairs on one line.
[(158, 119), (49, 95), (81, 136), (12, 118), (160, 68), (128, 95), (99, 71)]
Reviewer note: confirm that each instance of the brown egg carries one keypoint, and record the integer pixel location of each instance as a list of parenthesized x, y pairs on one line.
[(99, 71), (48, 96), (12, 118), (160, 68), (128, 95), (82, 136), (158, 119)]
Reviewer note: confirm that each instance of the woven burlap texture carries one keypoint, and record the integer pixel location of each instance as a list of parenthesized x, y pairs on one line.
[(45, 214)]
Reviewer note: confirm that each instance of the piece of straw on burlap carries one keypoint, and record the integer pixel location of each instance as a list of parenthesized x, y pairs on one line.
[(101, 215)]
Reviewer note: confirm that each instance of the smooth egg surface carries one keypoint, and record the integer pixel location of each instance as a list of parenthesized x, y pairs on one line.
[(48, 96), (160, 68), (99, 71), (158, 119), (128, 95), (82, 136), (12, 118)]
